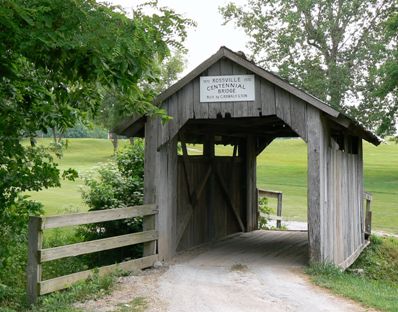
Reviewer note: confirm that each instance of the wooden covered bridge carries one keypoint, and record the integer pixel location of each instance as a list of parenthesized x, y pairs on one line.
[(229, 100)]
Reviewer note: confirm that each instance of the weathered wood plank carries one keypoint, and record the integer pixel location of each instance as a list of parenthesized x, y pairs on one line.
[(268, 193), (282, 100), (267, 98), (315, 184), (251, 185), (151, 143), (185, 104), (228, 198), (83, 248), (33, 271), (298, 110), (68, 280), (98, 216), (214, 107)]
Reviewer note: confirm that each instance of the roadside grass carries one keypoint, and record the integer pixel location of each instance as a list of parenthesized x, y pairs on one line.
[(62, 301), (372, 280), (139, 304)]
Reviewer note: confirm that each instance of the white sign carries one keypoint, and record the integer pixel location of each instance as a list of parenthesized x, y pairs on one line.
[(232, 88)]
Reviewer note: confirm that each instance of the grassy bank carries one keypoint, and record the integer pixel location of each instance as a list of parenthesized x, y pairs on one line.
[(82, 155), (282, 166), (371, 281)]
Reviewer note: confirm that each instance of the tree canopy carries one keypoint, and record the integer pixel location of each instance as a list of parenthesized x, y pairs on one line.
[(57, 58), (332, 49)]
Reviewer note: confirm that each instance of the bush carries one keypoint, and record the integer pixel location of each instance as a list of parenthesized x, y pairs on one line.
[(13, 250), (115, 185), (265, 212)]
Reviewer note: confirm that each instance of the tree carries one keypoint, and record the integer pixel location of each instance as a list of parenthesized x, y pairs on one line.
[(113, 110), (329, 48), (56, 57)]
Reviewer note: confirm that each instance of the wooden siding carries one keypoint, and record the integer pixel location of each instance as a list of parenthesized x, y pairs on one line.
[(270, 100), (212, 217), (335, 196)]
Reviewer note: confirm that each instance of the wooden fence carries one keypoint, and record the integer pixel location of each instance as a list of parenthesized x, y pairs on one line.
[(278, 196), (37, 255)]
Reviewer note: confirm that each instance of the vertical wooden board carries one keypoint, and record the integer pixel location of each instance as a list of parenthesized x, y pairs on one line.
[(257, 105), (314, 184), (151, 144), (361, 189), (330, 208), (298, 116), (250, 183), (267, 98), (166, 181), (201, 109), (344, 196), (340, 218), (164, 128), (226, 69), (150, 171), (241, 107), (282, 101), (214, 107), (185, 104), (172, 159), (326, 215), (173, 111)]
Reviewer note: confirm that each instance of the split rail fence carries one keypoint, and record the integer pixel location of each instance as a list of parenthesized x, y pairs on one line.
[(37, 255)]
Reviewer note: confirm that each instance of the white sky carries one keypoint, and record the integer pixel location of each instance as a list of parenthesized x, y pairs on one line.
[(209, 35)]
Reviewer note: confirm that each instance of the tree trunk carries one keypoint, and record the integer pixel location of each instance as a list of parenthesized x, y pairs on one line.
[(115, 141)]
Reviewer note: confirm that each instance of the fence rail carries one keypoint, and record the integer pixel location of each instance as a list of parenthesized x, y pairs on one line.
[(37, 255), (278, 196)]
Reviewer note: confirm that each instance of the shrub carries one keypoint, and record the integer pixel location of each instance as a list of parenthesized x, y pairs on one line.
[(13, 250), (115, 185), (265, 212)]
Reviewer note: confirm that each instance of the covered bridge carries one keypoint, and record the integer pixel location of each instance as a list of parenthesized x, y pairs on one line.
[(229, 100)]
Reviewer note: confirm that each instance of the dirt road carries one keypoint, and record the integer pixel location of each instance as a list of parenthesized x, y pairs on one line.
[(243, 273)]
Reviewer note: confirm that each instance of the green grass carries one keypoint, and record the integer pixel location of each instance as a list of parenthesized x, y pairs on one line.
[(282, 166), (376, 287), (82, 155)]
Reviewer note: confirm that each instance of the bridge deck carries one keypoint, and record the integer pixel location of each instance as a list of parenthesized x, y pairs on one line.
[(255, 248)]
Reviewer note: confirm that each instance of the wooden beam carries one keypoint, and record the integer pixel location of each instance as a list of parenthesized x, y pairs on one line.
[(97, 216), (83, 248), (67, 280)]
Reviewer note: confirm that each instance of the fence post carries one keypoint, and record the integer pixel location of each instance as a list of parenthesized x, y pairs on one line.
[(35, 242), (279, 211), (368, 215)]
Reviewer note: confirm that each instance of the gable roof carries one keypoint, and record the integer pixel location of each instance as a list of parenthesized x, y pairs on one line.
[(135, 123)]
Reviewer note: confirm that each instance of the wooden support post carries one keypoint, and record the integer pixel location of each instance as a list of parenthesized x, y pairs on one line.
[(35, 243), (251, 184), (279, 211), (368, 215), (150, 163), (316, 185)]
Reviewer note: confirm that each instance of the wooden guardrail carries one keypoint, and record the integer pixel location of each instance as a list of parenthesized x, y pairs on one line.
[(278, 196), (37, 255), (368, 214)]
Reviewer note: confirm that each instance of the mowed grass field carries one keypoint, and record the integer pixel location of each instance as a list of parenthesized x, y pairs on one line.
[(282, 166)]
